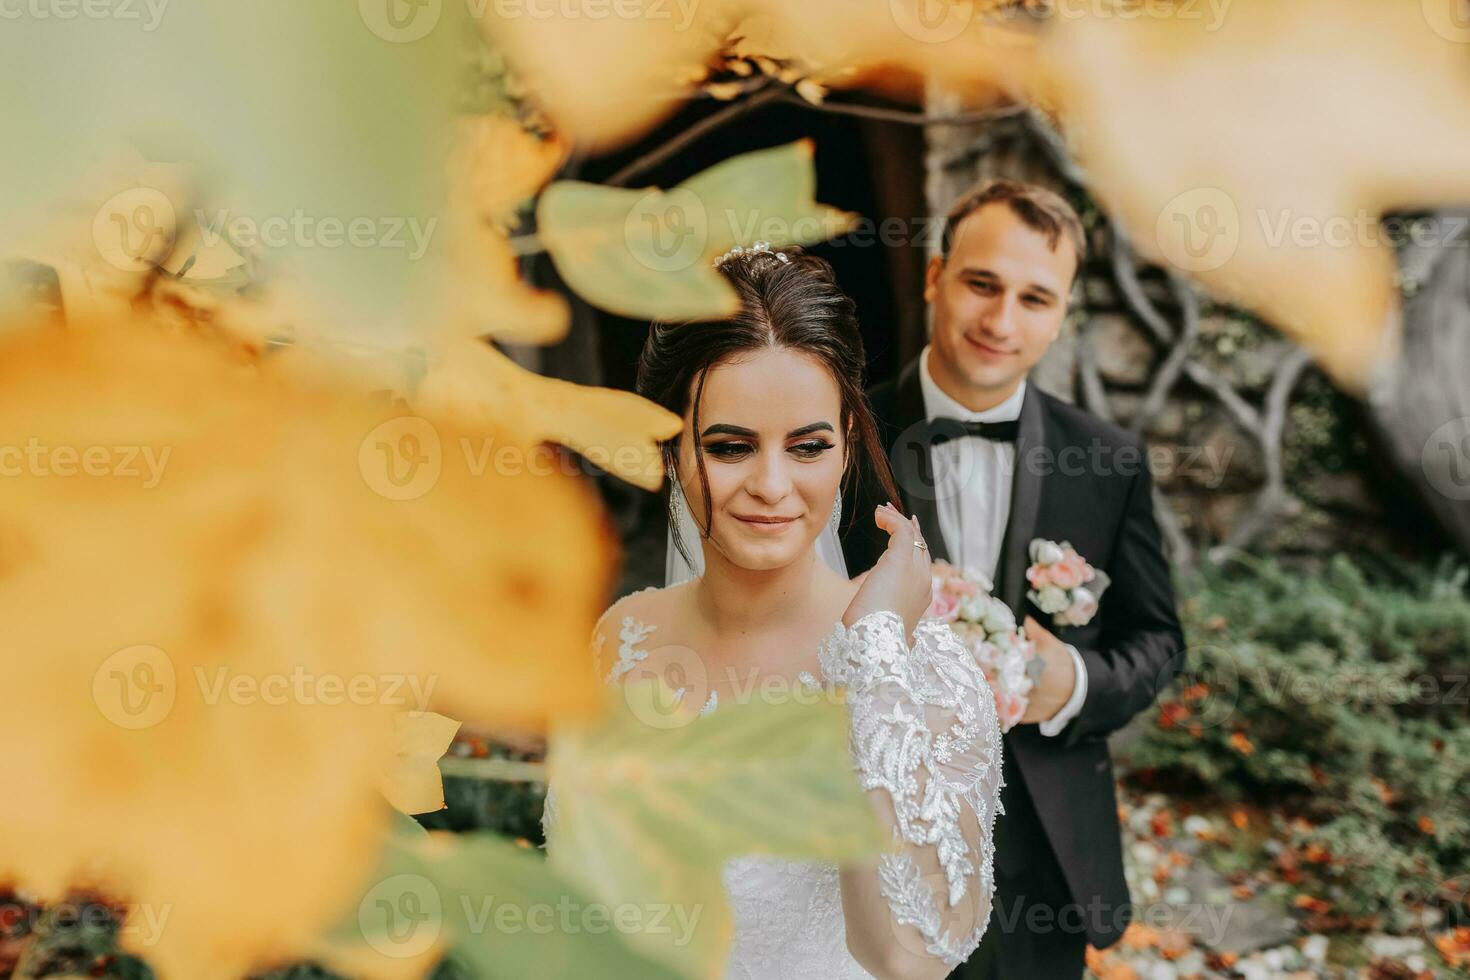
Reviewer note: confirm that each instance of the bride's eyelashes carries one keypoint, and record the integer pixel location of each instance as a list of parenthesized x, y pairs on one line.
[(732, 451)]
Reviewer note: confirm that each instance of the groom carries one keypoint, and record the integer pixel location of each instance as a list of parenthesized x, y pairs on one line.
[(989, 463)]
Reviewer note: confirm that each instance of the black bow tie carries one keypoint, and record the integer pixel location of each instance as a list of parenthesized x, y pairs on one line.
[(942, 429)]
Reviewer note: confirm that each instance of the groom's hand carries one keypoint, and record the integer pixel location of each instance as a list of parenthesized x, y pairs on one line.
[(1058, 678)]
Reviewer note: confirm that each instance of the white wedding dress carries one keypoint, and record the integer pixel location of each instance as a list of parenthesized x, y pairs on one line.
[(924, 729)]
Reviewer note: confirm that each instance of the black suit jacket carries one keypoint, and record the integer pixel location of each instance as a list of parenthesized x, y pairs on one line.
[(1081, 480)]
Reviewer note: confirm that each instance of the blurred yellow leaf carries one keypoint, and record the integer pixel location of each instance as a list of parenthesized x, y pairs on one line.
[(616, 430), (607, 79), (411, 779), (1258, 150), (222, 580), (495, 166), (500, 164)]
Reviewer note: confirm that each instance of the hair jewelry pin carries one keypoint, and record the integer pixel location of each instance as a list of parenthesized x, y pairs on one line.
[(757, 247)]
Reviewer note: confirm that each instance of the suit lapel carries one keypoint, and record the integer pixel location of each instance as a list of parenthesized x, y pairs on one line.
[(1025, 501), (910, 455)]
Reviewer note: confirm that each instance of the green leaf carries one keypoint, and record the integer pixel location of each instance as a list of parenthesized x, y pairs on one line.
[(652, 803), (497, 906), (649, 253)]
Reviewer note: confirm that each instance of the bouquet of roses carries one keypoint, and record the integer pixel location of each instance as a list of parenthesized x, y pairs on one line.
[(988, 628)]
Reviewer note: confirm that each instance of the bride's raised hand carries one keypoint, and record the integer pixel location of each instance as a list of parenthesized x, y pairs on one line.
[(900, 580)]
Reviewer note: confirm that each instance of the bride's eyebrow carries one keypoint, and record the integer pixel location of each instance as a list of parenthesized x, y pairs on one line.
[(725, 429)]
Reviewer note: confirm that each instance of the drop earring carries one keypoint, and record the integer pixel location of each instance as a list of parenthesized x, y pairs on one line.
[(836, 511), (677, 505)]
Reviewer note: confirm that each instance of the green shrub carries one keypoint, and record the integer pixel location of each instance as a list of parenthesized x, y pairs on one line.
[(1339, 701)]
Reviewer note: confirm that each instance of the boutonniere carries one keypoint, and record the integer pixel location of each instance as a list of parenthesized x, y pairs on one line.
[(1063, 584)]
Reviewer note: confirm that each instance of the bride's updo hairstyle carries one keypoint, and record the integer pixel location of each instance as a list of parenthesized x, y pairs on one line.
[(793, 302)]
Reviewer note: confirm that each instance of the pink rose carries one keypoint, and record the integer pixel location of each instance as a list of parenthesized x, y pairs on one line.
[(1039, 576), (961, 587), (1010, 708), (1068, 573), (945, 606)]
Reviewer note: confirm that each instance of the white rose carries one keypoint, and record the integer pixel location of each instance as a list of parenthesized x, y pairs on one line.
[(1046, 553), (999, 618), (980, 579), (974, 607), (1052, 599), (1084, 607)]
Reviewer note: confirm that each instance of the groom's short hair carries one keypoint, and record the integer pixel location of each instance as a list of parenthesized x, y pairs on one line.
[(1041, 210)]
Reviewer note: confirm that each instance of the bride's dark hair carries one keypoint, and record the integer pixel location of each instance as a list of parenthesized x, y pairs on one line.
[(795, 304)]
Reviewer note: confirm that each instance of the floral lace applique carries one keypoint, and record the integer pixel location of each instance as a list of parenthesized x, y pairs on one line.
[(925, 729)]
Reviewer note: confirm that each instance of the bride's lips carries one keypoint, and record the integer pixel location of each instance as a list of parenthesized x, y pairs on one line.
[(765, 525)]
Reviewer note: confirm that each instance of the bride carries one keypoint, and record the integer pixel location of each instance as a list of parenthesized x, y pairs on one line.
[(775, 421)]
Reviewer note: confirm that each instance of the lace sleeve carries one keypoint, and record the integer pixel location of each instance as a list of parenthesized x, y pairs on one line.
[(924, 729)]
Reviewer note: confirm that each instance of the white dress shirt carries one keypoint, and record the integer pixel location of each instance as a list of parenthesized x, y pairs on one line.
[(972, 480)]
